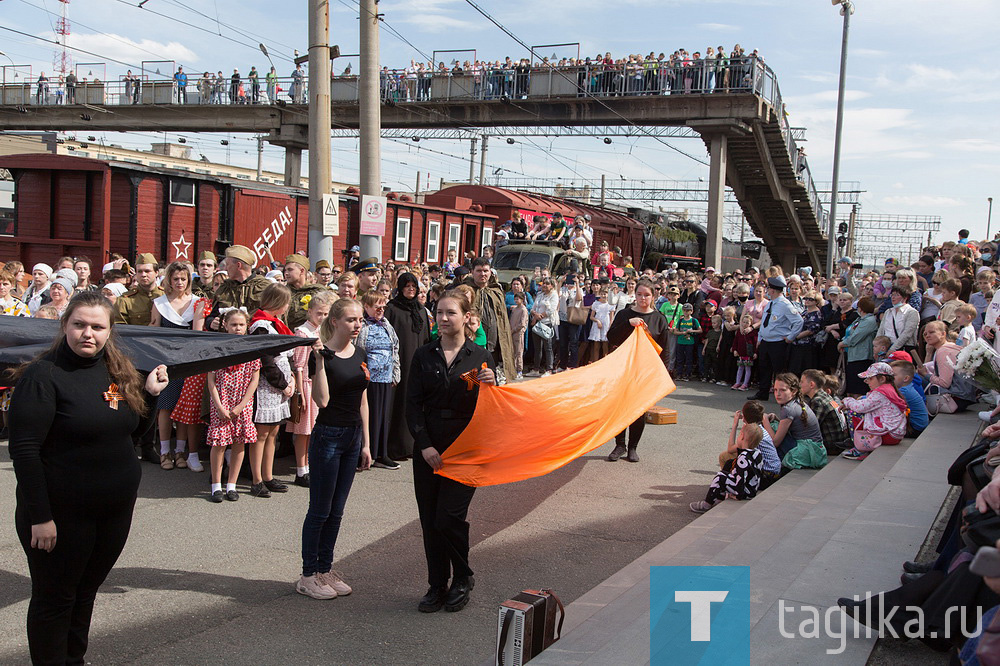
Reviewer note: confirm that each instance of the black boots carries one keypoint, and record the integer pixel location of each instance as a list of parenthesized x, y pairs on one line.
[(632, 455), (433, 601), (458, 595), (617, 453)]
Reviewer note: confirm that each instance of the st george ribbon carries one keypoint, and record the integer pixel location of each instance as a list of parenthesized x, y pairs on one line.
[(520, 431), (185, 353)]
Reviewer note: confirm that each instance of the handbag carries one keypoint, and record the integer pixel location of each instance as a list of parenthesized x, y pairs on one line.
[(543, 330), (295, 407), (577, 315), (958, 468), (841, 375)]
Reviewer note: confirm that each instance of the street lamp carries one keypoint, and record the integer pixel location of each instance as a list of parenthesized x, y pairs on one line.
[(846, 9)]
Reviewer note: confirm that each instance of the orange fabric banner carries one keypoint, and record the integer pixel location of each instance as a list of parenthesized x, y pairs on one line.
[(520, 431)]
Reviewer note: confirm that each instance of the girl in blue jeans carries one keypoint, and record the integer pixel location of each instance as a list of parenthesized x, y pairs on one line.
[(338, 446)]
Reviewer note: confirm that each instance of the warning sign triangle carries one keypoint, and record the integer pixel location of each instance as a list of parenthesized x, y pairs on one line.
[(330, 208)]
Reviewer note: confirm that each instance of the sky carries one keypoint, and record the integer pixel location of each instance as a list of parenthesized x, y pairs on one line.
[(919, 134)]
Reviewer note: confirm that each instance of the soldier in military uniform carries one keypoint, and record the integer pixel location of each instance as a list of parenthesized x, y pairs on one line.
[(242, 289), (368, 274), (202, 285), (324, 274), (136, 305), (296, 271)]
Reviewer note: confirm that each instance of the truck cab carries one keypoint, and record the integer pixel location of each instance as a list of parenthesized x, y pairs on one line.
[(519, 257)]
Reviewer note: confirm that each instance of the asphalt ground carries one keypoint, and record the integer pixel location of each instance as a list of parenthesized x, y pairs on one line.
[(204, 583)]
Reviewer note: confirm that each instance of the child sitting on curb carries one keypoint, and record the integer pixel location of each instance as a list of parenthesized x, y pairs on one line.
[(904, 373), (884, 413), (748, 465)]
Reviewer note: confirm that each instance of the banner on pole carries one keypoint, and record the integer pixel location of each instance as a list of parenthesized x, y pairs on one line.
[(373, 215)]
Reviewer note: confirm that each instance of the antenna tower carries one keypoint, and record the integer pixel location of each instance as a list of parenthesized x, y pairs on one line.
[(60, 59)]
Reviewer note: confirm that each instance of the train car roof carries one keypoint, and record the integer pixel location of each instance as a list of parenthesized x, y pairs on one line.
[(498, 196), (49, 161)]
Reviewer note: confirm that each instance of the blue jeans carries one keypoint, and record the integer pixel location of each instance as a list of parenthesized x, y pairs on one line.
[(685, 364), (333, 459)]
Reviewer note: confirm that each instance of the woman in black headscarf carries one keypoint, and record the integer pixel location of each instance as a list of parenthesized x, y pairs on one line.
[(409, 319)]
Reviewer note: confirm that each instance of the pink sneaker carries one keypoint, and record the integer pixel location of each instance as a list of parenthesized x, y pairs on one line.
[(312, 586), (735, 387), (745, 387), (335, 582)]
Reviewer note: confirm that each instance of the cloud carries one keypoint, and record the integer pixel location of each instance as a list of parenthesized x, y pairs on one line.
[(827, 96), (975, 145), (718, 27), (868, 53), (923, 200), (129, 50), (434, 23)]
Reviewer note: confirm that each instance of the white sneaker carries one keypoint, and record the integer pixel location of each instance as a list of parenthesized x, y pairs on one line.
[(986, 416), (335, 582), (194, 464), (545, 374), (312, 586), (520, 376)]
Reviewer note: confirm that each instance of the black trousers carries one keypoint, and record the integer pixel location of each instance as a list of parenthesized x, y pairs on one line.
[(634, 433), (443, 505), (64, 582), (772, 359), (379, 418)]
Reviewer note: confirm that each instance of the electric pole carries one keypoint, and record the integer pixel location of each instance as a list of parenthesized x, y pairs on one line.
[(320, 246), (370, 118)]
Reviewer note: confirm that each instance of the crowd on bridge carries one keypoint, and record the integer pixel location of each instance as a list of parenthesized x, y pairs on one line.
[(717, 69), (854, 361)]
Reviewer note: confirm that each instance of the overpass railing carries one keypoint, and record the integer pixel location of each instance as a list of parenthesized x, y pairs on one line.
[(504, 83)]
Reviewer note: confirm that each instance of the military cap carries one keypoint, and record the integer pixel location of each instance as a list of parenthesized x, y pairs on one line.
[(322, 263), (777, 282), (367, 264), (297, 259), (207, 256), (146, 258), (243, 253)]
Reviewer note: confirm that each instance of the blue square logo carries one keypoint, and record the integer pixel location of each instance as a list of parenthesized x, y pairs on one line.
[(699, 615)]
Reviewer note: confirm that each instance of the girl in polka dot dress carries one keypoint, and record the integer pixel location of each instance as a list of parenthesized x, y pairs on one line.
[(232, 391), (189, 407)]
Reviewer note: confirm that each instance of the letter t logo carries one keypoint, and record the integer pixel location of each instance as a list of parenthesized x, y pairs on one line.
[(701, 610)]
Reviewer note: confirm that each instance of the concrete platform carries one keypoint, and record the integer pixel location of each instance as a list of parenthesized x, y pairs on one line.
[(811, 538)]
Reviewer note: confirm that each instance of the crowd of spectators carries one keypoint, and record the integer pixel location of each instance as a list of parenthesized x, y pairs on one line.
[(717, 69)]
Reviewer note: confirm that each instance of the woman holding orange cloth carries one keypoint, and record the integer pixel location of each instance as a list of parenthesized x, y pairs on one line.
[(440, 401), (640, 313)]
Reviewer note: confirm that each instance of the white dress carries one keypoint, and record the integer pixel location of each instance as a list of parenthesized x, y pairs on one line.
[(271, 405), (602, 313)]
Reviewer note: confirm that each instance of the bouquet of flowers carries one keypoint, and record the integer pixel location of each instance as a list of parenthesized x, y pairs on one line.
[(980, 363)]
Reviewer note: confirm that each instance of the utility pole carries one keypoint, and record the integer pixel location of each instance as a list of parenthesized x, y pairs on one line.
[(850, 231), (320, 246), (416, 192), (989, 218), (482, 161), (846, 8), (370, 117), (603, 186), (260, 157), (472, 161)]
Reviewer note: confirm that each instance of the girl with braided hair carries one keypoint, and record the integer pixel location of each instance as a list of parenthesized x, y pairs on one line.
[(797, 423)]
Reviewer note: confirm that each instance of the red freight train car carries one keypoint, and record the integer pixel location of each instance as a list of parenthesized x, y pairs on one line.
[(65, 205), (619, 230)]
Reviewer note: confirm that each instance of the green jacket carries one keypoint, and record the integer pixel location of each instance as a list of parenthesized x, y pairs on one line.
[(860, 334)]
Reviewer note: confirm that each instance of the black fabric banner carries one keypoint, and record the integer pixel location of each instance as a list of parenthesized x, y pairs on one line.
[(185, 353)]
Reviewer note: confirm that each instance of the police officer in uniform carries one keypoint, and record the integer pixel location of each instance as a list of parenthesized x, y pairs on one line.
[(368, 273), (296, 270), (136, 305), (441, 398), (243, 288), (203, 283), (780, 325)]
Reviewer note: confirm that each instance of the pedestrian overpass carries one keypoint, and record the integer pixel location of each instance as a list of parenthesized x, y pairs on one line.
[(751, 147)]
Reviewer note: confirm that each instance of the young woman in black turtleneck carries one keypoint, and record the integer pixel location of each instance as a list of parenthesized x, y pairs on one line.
[(73, 413), (640, 313)]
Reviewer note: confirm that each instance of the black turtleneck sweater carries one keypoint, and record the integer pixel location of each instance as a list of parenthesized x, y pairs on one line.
[(69, 447)]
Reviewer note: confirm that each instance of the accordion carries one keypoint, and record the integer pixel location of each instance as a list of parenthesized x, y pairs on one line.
[(526, 625)]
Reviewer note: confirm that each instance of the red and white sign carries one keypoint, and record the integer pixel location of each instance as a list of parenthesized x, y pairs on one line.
[(373, 215)]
